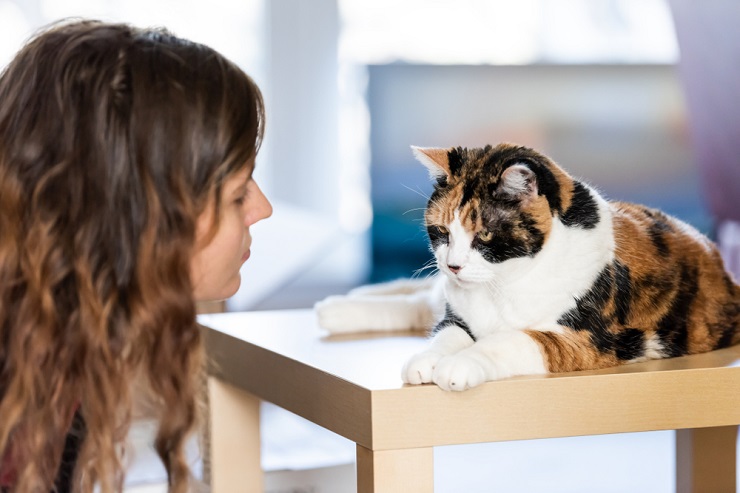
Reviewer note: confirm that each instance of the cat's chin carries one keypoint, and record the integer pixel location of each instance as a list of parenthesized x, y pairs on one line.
[(464, 283)]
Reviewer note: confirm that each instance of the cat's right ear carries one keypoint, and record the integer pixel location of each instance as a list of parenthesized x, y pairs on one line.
[(436, 160)]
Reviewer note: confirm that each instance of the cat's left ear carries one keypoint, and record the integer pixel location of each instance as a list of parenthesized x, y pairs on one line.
[(518, 181), (436, 160)]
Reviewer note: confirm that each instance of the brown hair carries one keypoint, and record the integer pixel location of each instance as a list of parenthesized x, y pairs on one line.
[(112, 141)]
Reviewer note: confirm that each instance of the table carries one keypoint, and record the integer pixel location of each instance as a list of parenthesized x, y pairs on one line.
[(351, 385)]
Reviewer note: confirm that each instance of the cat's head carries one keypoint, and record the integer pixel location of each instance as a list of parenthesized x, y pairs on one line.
[(490, 206)]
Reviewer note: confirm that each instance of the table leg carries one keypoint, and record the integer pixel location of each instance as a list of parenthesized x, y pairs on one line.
[(706, 459), (395, 471), (232, 456)]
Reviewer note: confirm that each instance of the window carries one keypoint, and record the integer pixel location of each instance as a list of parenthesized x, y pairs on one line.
[(507, 32)]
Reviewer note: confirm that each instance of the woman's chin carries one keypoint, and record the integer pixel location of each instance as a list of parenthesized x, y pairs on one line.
[(226, 291)]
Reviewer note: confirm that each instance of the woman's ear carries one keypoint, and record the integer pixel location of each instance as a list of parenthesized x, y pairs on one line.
[(435, 159)]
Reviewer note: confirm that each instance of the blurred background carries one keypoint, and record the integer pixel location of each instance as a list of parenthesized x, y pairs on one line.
[(350, 85)]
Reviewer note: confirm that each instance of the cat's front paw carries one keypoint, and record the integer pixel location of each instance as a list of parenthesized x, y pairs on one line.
[(420, 368), (458, 372)]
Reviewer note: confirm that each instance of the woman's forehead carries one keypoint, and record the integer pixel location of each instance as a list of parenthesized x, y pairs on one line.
[(241, 176)]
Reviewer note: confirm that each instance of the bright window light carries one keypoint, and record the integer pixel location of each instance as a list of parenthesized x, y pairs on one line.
[(507, 32)]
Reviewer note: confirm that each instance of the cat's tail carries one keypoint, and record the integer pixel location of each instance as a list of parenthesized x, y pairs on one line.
[(395, 306)]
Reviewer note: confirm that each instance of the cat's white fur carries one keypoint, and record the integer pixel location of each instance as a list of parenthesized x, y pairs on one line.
[(496, 300), (405, 304)]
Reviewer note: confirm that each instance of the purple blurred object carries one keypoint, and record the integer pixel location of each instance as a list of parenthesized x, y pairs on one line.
[(710, 72), (709, 67)]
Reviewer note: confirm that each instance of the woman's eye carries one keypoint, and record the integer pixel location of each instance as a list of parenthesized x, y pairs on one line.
[(485, 236), (240, 200)]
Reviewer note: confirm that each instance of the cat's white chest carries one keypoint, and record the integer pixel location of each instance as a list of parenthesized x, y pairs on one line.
[(485, 313)]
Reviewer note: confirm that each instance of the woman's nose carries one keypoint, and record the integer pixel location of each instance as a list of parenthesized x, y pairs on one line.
[(260, 208)]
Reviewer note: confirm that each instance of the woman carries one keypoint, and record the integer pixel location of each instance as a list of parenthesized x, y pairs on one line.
[(126, 195)]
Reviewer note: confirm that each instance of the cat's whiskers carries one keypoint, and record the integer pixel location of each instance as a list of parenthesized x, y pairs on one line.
[(414, 210), (416, 191), (430, 264), (421, 220)]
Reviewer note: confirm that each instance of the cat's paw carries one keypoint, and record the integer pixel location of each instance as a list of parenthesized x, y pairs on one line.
[(459, 372), (420, 368)]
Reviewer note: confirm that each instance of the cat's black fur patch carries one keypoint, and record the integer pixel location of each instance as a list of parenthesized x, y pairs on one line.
[(436, 236), (588, 314), (504, 245), (673, 328), (452, 318), (623, 297), (630, 344), (455, 160), (657, 232), (583, 211), (469, 190)]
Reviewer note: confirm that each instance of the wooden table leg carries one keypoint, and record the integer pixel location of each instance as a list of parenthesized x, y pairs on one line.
[(706, 459), (232, 456), (395, 471)]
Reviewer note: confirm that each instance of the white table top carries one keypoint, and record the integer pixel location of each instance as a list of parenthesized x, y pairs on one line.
[(352, 386)]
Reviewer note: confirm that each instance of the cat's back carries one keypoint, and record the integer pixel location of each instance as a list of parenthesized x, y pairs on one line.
[(651, 234), (648, 238), (675, 278)]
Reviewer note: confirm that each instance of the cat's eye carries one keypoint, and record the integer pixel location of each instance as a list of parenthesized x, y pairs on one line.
[(443, 230), (485, 236)]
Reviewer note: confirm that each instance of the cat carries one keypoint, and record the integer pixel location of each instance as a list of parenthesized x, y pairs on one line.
[(541, 274)]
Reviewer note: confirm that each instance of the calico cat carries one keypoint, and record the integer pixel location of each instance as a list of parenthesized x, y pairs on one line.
[(542, 274)]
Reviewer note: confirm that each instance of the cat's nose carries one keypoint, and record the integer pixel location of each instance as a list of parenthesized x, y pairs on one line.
[(454, 268)]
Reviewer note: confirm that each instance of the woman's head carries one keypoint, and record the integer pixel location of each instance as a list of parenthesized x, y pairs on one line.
[(116, 145)]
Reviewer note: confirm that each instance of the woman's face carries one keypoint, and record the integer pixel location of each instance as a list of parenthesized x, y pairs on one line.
[(214, 268)]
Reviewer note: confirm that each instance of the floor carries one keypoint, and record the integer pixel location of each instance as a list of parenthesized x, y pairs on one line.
[(300, 457)]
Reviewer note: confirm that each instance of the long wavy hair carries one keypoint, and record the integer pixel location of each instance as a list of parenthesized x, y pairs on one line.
[(113, 140)]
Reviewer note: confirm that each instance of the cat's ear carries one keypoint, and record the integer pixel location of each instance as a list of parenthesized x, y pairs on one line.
[(435, 159), (518, 181)]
